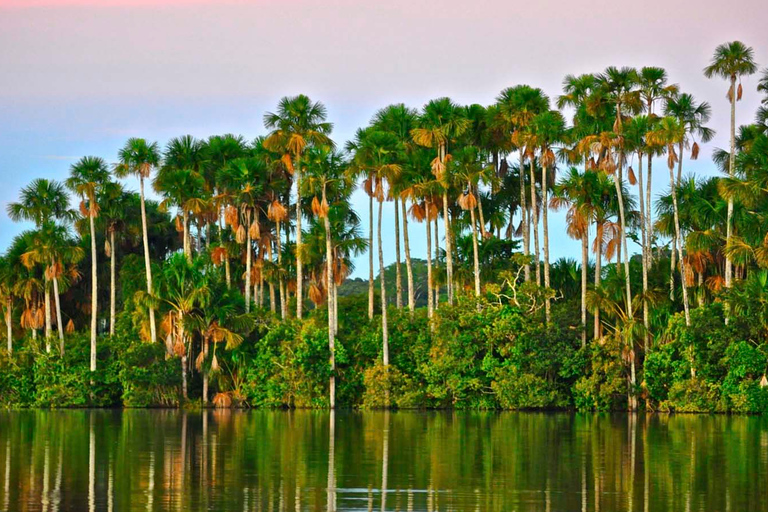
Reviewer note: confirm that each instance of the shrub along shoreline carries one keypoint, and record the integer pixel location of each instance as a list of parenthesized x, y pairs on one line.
[(496, 357)]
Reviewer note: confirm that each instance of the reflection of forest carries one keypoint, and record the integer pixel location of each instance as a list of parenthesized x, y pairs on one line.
[(311, 460)]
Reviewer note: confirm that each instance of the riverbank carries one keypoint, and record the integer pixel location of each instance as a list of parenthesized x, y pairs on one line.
[(495, 358)]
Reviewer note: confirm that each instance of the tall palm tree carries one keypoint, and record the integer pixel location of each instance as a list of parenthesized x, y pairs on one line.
[(139, 158), (619, 85), (7, 295), (324, 168), (400, 120), (517, 106), (467, 171), (298, 122), (182, 181), (43, 202), (113, 203), (731, 61), (547, 130), (668, 134), (440, 122), (88, 177)]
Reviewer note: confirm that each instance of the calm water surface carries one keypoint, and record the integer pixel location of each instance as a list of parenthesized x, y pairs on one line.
[(281, 461)]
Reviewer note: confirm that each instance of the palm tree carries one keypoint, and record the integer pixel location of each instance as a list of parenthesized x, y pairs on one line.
[(299, 122), (517, 107), (139, 157), (7, 281), (43, 202), (547, 129), (113, 203), (731, 61), (440, 122), (243, 180), (668, 134), (578, 192), (467, 170), (181, 181), (87, 179), (400, 120), (52, 247), (324, 168)]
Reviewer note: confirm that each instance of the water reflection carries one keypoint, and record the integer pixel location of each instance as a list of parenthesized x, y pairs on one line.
[(343, 461)]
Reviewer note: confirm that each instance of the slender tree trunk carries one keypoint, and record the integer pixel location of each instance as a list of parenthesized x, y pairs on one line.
[(147, 263), (448, 244), (247, 287), (398, 276), (535, 222), (48, 321), (598, 270), (281, 281), (475, 249), (206, 349), (187, 242), (482, 218), (408, 265), (679, 246), (584, 277), (384, 326), (272, 305), (227, 273), (112, 285), (545, 225), (59, 321), (184, 366), (9, 324), (525, 219), (731, 168), (623, 233), (94, 295), (299, 257), (370, 258), (330, 302), (644, 240), (430, 291), (437, 258), (199, 248)]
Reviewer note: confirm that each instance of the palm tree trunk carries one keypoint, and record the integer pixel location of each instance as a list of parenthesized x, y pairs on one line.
[(94, 295), (679, 246), (248, 262), (408, 265), (272, 305), (648, 215), (370, 258), (482, 218), (147, 264), (584, 277), (448, 244), (8, 324), (644, 238), (227, 273), (59, 322), (187, 244), (525, 219), (47, 315), (330, 301), (545, 225), (398, 275), (112, 277), (598, 262), (622, 219), (299, 258), (535, 222), (437, 258), (206, 345), (281, 281), (384, 326), (430, 291), (731, 166), (475, 250)]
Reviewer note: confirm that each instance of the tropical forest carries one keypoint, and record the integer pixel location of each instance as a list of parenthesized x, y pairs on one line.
[(219, 271)]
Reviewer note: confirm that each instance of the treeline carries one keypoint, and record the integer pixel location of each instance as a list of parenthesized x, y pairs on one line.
[(230, 288)]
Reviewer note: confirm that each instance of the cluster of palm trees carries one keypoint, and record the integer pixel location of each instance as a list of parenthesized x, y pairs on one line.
[(490, 173)]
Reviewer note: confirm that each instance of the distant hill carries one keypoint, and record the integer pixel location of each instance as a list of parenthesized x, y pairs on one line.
[(359, 286)]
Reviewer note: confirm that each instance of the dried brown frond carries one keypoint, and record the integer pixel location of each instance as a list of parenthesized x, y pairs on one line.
[(695, 151), (70, 327), (240, 235), (631, 176), (254, 230)]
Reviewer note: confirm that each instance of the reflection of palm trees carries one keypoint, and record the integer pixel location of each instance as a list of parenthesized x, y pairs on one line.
[(385, 462), (330, 500)]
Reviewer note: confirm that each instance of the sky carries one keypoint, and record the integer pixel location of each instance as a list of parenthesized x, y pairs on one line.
[(78, 77)]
